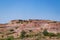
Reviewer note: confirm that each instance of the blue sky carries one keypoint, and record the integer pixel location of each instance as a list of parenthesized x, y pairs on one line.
[(29, 9)]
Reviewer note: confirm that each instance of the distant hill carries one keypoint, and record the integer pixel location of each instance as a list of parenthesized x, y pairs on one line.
[(15, 27)]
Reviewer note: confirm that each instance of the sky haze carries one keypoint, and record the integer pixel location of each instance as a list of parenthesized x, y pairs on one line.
[(29, 9)]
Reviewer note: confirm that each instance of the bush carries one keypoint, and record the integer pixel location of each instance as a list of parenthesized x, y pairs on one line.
[(22, 34), (52, 35), (45, 33), (58, 35), (30, 30), (10, 38)]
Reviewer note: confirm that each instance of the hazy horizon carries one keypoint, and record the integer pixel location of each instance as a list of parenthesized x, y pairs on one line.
[(29, 9)]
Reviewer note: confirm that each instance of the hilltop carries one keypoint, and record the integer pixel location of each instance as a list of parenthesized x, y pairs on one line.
[(15, 27)]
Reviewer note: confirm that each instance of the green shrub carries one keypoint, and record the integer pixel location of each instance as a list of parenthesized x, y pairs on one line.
[(10, 38), (58, 35), (22, 34), (45, 33), (52, 35)]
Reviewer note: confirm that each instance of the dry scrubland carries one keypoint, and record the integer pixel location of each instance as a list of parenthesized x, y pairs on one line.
[(32, 29)]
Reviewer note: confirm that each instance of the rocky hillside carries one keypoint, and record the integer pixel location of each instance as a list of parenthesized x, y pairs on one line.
[(15, 27)]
